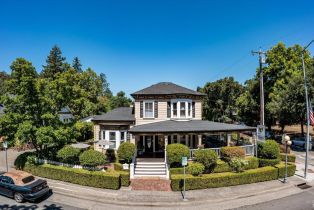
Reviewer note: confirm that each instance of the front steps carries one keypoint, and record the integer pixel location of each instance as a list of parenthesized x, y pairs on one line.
[(150, 169)]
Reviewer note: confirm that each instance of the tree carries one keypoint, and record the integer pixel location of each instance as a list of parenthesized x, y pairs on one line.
[(55, 63), (120, 100), (76, 64), (220, 99), (4, 77), (105, 85)]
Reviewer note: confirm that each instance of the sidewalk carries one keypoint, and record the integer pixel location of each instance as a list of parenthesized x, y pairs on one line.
[(215, 198)]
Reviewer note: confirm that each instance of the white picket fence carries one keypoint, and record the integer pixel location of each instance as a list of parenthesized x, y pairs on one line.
[(44, 161)]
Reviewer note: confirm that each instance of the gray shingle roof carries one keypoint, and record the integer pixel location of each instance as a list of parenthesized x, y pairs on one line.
[(171, 126), (118, 114), (166, 88)]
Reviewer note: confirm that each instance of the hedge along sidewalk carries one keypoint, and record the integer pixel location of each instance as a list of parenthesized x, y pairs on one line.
[(223, 166), (229, 178), (108, 180)]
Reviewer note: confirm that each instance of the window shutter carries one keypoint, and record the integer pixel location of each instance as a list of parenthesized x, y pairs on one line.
[(168, 109), (156, 109), (141, 109), (193, 109)]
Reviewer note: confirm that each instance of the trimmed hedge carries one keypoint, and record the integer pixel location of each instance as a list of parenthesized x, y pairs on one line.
[(268, 162), (21, 160), (291, 157), (117, 166), (222, 166), (175, 152), (125, 178), (108, 180), (229, 179)]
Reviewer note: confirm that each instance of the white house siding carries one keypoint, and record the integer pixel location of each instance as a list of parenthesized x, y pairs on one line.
[(162, 112)]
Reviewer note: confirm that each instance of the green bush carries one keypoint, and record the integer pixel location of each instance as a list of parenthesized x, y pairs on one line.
[(237, 164), (125, 178), (92, 158), (21, 160), (229, 178), (268, 150), (69, 154), (268, 162), (77, 176), (207, 157), (110, 155), (126, 151), (175, 152), (291, 157), (117, 166), (195, 169), (222, 166), (227, 153)]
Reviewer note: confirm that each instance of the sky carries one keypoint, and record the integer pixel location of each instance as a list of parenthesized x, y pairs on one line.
[(137, 43)]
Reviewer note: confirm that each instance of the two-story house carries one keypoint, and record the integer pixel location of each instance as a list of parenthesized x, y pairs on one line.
[(162, 114)]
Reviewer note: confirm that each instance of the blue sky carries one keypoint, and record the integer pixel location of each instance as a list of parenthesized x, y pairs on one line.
[(138, 43)]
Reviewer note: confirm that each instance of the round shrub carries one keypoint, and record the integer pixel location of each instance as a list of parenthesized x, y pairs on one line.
[(269, 150), (238, 164), (69, 154), (268, 162), (110, 155), (207, 157), (126, 151), (92, 158), (175, 152), (195, 169), (227, 153)]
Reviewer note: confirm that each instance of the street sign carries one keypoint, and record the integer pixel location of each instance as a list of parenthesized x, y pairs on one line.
[(5, 144), (184, 161), (260, 133)]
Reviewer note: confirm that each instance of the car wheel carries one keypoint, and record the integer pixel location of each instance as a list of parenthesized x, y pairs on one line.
[(18, 197)]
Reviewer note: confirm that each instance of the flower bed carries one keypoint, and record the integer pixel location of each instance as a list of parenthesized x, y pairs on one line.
[(225, 179), (291, 157)]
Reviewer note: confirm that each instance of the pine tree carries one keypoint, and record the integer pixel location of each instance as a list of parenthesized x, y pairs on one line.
[(55, 63), (76, 64)]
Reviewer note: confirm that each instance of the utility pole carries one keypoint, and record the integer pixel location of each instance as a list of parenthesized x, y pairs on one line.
[(307, 112), (261, 84)]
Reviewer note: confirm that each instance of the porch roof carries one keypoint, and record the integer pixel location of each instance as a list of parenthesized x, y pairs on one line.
[(196, 126)]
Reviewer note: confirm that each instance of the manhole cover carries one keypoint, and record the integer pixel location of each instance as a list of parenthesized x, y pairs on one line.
[(303, 186)]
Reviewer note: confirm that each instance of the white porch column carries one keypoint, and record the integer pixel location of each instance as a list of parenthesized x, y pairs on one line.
[(118, 139), (229, 139), (187, 140), (166, 141), (199, 140)]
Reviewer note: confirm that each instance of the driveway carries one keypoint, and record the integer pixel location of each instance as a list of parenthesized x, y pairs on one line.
[(12, 154)]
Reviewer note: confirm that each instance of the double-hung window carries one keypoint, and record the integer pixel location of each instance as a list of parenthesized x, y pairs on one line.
[(148, 109), (181, 108)]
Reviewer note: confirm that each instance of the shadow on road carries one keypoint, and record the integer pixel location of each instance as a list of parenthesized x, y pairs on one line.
[(32, 207)]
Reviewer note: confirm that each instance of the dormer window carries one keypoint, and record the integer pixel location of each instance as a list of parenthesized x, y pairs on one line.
[(181, 108), (148, 109)]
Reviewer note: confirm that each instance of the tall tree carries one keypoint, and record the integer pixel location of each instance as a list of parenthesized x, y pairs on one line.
[(55, 63), (76, 64), (105, 85), (4, 77), (120, 100), (219, 103)]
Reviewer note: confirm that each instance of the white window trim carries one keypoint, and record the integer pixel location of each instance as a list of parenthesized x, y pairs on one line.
[(144, 104), (177, 101)]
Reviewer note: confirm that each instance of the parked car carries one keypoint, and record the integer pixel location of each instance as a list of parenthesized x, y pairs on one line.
[(301, 142), (22, 186)]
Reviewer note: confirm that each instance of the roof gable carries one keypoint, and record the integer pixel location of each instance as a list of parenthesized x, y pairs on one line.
[(166, 88)]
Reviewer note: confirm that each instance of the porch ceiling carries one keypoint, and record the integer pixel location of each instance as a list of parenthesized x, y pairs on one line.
[(192, 126)]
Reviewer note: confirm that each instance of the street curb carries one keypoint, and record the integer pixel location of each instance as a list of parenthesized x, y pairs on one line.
[(121, 202)]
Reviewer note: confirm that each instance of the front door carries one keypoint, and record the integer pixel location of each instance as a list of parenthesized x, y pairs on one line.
[(149, 144)]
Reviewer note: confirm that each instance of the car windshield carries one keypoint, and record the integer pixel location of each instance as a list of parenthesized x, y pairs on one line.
[(28, 179)]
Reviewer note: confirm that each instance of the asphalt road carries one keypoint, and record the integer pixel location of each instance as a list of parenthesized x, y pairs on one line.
[(301, 201), (8, 204)]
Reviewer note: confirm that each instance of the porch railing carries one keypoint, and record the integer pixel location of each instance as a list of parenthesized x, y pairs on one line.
[(249, 151)]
